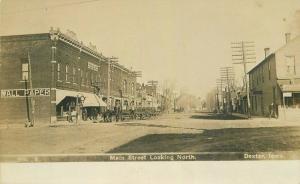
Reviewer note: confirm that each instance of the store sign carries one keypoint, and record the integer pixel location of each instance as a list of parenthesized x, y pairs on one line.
[(92, 66), (287, 94), (14, 93)]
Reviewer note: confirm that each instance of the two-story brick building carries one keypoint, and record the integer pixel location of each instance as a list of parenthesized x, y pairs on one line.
[(276, 79), (49, 74)]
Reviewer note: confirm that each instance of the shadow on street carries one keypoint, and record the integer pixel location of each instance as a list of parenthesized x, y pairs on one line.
[(219, 140), (213, 116)]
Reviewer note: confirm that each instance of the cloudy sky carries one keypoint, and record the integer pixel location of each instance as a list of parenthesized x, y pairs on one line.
[(183, 40)]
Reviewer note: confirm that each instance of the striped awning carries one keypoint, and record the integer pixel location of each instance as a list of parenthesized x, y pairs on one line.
[(90, 99)]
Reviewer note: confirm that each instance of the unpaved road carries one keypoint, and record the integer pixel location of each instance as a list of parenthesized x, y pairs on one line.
[(105, 137)]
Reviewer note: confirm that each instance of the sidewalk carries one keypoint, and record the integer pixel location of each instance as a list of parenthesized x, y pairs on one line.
[(20, 125), (245, 116), (264, 118)]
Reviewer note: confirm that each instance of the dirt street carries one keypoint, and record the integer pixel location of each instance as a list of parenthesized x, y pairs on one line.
[(89, 138)]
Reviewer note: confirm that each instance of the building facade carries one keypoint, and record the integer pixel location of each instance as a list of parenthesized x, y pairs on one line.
[(45, 76), (275, 80)]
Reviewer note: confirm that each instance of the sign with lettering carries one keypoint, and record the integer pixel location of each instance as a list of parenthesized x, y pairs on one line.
[(287, 94), (92, 66), (14, 93)]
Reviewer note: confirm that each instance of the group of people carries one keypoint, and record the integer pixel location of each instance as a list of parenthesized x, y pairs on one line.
[(107, 115), (91, 114)]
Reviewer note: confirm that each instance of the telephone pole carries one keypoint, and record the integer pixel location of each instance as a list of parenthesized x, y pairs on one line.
[(32, 102), (110, 62), (227, 75), (244, 53), (220, 84)]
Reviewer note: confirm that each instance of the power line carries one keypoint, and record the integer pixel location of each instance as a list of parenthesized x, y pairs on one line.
[(52, 7), (244, 53)]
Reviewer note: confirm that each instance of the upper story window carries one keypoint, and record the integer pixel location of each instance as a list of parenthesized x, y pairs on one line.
[(25, 71), (262, 74), (252, 79), (132, 88), (92, 78), (74, 75), (82, 77), (290, 65), (67, 72), (257, 77), (269, 70), (58, 71), (124, 86), (87, 78)]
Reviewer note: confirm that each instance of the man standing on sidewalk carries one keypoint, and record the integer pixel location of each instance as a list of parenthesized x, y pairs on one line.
[(273, 110)]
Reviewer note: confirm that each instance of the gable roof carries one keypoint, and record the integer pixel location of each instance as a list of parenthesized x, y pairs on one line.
[(273, 54), (260, 63)]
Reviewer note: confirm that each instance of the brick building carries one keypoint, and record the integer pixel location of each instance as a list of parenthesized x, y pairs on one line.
[(66, 75), (276, 79), (147, 96)]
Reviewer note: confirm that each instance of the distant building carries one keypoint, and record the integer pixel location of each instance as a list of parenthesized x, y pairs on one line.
[(147, 96), (276, 79)]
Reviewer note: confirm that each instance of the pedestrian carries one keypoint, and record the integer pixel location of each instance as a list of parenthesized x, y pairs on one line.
[(73, 115), (95, 114), (272, 110), (84, 114)]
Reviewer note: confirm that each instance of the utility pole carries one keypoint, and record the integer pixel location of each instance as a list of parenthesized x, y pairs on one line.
[(220, 87), (110, 61), (137, 74), (217, 99), (227, 75), (32, 102), (244, 53), (153, 85), (54, 38)]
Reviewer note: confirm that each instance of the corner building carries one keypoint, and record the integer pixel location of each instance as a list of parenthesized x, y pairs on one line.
[(50, 74)]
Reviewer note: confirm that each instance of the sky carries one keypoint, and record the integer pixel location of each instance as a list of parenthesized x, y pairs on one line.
[(186, 41)]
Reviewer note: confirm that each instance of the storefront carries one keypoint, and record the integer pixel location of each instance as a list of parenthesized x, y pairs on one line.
[(87, 105), (290, 107)]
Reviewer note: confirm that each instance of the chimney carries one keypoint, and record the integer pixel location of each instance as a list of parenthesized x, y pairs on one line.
[(267, 52), (287, 37)]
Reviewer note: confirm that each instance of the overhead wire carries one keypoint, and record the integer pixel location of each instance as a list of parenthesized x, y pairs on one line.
[(51, 7)]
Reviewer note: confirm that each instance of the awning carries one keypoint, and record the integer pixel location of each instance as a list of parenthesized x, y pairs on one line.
[(291, 88), (91, 100)]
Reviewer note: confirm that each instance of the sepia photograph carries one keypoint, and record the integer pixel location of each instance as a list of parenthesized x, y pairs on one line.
[(149, 80)]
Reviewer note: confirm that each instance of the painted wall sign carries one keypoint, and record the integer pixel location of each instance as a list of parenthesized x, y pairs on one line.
[(14, 93), (92, 66)]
